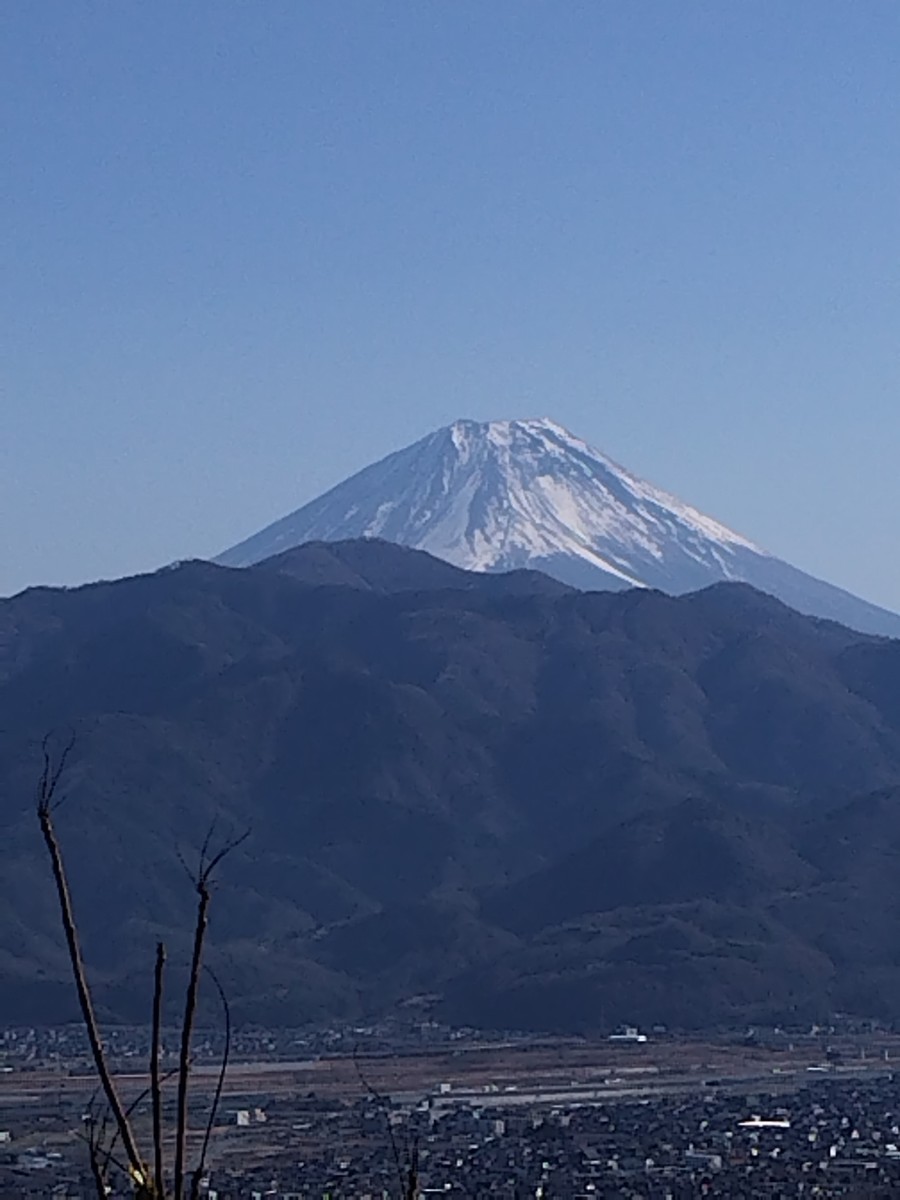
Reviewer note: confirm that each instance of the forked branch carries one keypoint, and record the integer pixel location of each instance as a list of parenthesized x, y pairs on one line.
[(203, 884), (47, 802)]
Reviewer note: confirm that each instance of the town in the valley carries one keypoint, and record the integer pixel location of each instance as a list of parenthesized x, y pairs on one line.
[(393, 1111)]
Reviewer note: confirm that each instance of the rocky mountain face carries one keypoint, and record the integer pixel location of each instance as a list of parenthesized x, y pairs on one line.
[(501, 495), (542, 808)]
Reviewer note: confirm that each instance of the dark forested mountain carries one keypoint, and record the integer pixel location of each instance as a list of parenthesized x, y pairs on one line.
[(541, 807)]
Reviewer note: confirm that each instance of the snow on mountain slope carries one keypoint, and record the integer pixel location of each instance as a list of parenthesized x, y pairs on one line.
[(493, 496)]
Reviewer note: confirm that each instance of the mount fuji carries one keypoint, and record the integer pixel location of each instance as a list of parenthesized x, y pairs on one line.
[(500, 495)]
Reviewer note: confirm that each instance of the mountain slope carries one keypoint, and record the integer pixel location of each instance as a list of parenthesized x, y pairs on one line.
[(509, 494), (550, 809), (372, 563)]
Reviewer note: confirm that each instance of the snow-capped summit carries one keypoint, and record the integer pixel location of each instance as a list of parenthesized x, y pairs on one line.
[(492, 496)]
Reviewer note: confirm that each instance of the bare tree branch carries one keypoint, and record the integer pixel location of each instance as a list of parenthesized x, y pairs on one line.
[(94, 1140), (50, 775), (117, 1121), (412, 1175), (46, 803), (150, 1191), (203, 884), (190, 1006), (220, 1083), (386, 1112), (155, 1087)]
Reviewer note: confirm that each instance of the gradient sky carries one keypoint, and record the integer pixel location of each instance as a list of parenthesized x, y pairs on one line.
[(246, 248)]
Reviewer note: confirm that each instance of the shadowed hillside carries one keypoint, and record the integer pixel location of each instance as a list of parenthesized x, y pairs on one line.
[(549, 808)]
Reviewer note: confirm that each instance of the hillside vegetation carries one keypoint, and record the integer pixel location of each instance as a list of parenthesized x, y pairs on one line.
[(540, 807)]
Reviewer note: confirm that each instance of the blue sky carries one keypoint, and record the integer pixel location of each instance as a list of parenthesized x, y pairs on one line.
[(246, 248)]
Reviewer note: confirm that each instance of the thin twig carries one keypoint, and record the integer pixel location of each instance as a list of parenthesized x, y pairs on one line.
[(99, 1169), (136, 1102), (203, 849), (385, 1110), (93, 1140), (51, 776), (155, 1088), (220, 1083)]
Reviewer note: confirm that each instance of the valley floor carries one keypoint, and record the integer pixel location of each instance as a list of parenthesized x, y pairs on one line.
[(666, 1118)]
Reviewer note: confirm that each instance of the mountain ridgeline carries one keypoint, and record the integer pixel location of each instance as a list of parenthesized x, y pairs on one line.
[(501, 495), (525, 805)]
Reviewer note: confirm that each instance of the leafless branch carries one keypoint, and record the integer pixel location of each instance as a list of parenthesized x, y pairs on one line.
[(50, 774), (46, 803), (154, 1191), (382, 1102), (101, 1156), (220, 1083), (94, 1139), (203, 885), (412, 1174), (190, 1006), (155, 1086), (231, 844), (116, 1127)]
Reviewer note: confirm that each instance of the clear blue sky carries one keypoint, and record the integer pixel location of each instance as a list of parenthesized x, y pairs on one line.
[(248, 247)]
